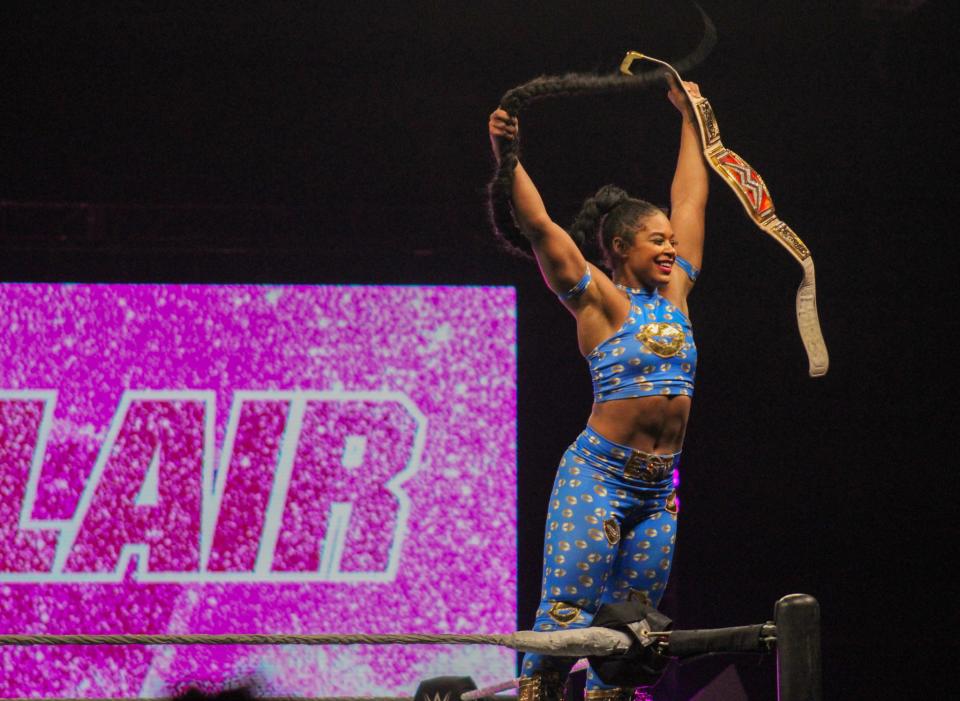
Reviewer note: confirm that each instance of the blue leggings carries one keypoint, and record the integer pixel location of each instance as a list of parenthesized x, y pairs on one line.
[(610, 534)]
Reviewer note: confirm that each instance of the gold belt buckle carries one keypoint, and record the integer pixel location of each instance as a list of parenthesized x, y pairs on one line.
[(646, 467), (634, 467), (658, 467)]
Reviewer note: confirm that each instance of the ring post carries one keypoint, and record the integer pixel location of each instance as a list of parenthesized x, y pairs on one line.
[(797, 618)]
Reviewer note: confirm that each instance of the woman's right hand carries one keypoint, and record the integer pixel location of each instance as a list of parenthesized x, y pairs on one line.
[(501, 126)]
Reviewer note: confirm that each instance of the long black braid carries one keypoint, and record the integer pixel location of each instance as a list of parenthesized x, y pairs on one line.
[(569, 85)]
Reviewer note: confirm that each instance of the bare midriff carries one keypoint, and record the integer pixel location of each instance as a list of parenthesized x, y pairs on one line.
[(651, 424)]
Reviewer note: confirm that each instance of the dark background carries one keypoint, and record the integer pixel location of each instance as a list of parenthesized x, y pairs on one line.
[(310, 142)]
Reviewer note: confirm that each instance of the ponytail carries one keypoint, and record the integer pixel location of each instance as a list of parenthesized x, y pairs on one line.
[(514, 101), (501, 185)]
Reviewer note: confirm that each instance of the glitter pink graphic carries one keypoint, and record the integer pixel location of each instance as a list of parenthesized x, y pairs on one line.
[(293, 459)]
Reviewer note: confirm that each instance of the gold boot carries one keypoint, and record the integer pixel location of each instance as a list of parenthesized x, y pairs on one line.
[(542, 686), (617, 693)]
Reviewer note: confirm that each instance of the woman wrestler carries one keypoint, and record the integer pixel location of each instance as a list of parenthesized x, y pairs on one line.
[(611, 523)]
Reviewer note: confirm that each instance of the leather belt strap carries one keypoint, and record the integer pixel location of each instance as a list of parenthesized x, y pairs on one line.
[(756, 200)]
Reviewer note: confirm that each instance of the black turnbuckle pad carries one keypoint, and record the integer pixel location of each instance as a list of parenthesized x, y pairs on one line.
[(641, 665)]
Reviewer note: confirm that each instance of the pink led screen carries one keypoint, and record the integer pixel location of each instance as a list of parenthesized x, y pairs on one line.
[(255, 459)]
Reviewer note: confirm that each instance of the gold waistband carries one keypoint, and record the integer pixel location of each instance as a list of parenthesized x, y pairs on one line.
[(648, 467)]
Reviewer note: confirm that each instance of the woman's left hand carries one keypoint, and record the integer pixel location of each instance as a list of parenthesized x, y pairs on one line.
[(678, 99)]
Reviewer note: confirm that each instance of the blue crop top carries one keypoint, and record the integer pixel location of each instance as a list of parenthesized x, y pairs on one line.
[(652, 353)]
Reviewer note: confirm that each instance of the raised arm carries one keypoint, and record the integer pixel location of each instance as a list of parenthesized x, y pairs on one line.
[(560, 260), (688, 192)]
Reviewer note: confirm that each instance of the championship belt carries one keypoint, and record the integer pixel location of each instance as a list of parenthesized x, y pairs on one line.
[(753, 194)]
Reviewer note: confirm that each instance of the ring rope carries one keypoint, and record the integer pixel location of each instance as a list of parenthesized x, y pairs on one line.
[(568, 643), (259, 639)]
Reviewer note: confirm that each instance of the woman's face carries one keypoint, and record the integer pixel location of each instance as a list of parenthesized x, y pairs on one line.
[(652, 255)]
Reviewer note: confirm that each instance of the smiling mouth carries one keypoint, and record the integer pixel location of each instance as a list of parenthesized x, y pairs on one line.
[(665, 265)]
